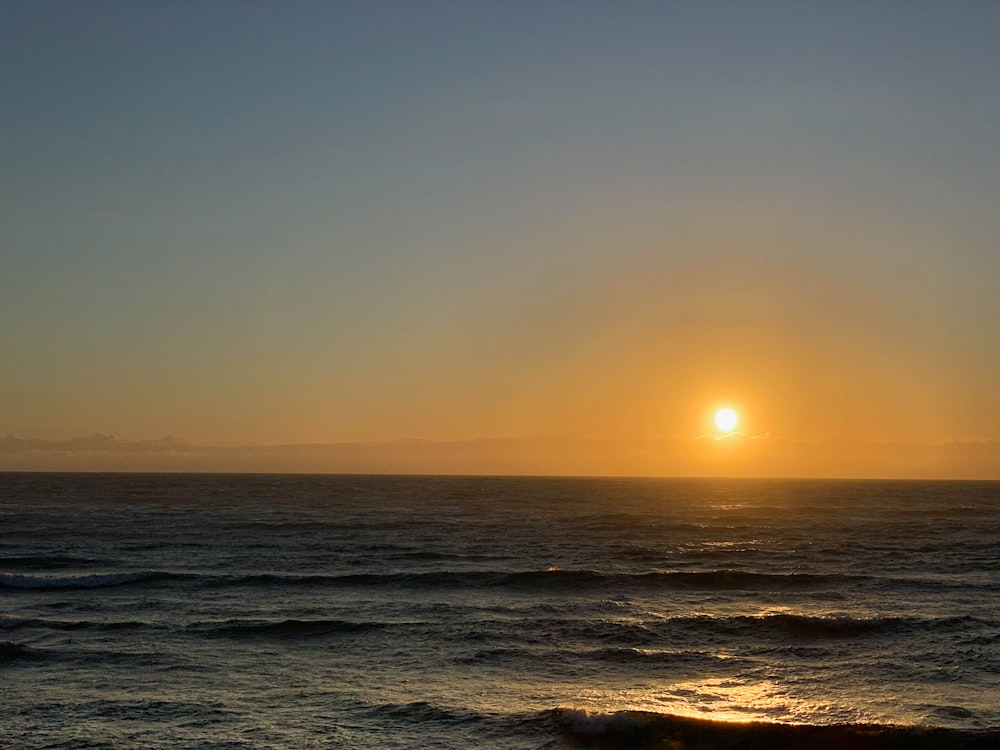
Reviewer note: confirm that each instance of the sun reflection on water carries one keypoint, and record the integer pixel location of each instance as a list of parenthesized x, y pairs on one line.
[(725, 699)]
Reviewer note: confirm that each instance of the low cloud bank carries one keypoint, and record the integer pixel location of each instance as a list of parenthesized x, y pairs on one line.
[(737, 455)]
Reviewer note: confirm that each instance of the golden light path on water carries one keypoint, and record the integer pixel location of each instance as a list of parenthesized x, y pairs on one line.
[(734, 700)]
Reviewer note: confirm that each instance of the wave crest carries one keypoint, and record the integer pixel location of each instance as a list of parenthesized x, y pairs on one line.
[(284, 628), (80, 581), (558, 577), (10, 651), (642, 729)]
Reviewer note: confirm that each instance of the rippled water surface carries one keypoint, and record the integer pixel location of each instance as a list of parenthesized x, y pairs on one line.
[(404, 612)]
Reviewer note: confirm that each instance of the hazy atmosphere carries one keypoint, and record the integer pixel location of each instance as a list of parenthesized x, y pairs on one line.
[(501, 237)]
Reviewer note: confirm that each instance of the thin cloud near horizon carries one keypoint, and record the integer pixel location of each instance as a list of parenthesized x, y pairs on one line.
[(737, 455)]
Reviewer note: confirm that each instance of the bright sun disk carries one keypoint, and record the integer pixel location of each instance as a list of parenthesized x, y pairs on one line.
[(726, 419)]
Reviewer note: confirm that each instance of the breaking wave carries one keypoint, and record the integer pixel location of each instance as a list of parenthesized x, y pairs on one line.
[(638, 730)]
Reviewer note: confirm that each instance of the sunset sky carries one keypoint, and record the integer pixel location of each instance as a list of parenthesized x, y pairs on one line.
[(580, 223)]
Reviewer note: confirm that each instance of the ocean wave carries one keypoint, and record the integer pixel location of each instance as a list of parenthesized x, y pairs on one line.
[(438, 555), (423, 711), (738, 579), (81, 581), (786, 630), (713, 579), (499, 655), (10, 651), (13, 622), (577, 580), (811, 626), (556, 578), (283, 628), (417, 580), (639, 730), (46, 562), (824, 627), (634, 655), (611, 655)]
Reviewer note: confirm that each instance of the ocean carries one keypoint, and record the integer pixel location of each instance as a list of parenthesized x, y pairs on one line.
[(378, 612)]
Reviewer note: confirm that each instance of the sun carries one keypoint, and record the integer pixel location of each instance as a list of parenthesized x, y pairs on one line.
[(726, 420)]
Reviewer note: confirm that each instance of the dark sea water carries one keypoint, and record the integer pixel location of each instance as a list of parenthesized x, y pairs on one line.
[(227, 611)]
